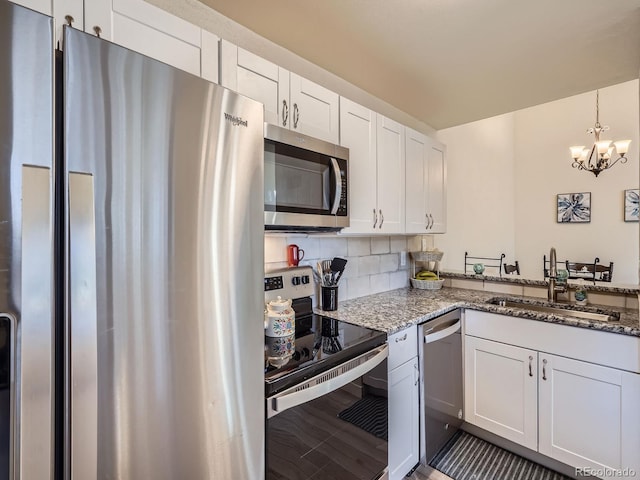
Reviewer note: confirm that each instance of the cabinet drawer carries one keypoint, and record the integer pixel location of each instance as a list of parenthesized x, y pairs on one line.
[(403, 346)]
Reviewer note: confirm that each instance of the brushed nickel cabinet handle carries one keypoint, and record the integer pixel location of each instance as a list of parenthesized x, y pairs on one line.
[(285, 113), (544, 369), (432, 221), (296, 115), (401, 339), (375, 218), (426, 216), (381, 219), (530, 367)]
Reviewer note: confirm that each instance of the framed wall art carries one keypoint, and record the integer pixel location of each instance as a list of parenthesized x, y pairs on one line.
[(574, 207), (631, 213)]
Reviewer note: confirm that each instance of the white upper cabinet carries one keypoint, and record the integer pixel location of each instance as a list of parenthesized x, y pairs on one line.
[(358, 134), (391, 175), (257, 78), (139, 26), (314, 109), (62, 11), (436, 205), (289, 100), (149, 30), (425, 184), (416, 183), (376, 170)]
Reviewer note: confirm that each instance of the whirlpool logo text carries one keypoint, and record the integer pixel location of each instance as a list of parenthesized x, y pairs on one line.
[(235, 121)]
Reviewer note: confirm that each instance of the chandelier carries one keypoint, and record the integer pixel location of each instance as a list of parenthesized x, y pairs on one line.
[(598, 157)]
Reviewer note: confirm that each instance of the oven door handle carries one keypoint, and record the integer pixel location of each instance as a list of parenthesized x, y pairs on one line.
[(440, 333), (338, 180), (326, 382)]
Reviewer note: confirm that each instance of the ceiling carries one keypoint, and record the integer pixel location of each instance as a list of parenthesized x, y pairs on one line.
[(449, 62)]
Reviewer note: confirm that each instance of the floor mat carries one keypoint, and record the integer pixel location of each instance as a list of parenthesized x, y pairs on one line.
[(466, 457), (369, 414)]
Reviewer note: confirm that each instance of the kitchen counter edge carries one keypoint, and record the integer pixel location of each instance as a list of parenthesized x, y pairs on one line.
[(396, 310)]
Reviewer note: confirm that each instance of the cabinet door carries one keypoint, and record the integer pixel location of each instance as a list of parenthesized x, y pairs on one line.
[(147, 29), (417, 151), (314, 109), (501, 390), (391, 176), (403, 419), (436, 188), (589, 415), (256, 78), (358, 134)]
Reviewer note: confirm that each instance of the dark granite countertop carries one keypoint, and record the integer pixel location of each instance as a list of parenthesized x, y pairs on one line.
[(396, 310)]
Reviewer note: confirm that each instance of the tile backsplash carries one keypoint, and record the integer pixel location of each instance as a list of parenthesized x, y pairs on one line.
[(373, 262)]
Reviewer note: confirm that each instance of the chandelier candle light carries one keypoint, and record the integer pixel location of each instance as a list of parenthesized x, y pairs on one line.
[(602, 150)]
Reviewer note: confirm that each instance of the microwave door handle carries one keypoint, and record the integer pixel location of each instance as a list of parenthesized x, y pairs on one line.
[(338, 179)]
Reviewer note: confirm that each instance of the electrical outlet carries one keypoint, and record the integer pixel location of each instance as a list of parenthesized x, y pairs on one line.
[(424, 244), (403, 258)]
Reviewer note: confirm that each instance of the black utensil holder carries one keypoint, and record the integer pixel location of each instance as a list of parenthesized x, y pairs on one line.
[(329, 297)]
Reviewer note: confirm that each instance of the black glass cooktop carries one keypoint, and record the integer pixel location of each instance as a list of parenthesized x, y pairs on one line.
[(320, 343)]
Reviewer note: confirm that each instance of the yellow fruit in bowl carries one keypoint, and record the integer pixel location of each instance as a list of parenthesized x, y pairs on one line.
[(426, 275)]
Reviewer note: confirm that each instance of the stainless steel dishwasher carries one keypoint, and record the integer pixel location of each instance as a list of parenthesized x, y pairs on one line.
[(441, 382)]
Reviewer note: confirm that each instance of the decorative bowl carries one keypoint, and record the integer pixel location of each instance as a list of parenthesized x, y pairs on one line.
[(478, 268)]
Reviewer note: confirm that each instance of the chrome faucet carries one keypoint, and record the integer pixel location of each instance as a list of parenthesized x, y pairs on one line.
[(553, 287)]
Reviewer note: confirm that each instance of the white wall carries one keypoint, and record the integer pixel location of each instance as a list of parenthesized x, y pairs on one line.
[(480, 191), (523, 218)]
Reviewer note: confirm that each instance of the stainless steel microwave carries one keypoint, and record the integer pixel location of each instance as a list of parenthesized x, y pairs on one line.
[(305, 182)]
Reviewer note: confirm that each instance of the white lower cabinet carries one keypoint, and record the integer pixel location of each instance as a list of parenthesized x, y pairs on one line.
[(403, 418), (570, 409), (589, 414), (501, 390), (404, 397)]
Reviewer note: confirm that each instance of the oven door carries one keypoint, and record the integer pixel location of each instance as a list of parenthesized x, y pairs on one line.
[(331, 426), (302, 186)]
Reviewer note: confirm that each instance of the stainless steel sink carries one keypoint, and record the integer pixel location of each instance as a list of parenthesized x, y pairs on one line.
[(558, 309)]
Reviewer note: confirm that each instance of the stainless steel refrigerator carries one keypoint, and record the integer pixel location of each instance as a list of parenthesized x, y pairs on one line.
[(131, 265)]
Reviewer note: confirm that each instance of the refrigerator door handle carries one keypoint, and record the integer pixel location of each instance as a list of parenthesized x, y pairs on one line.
[(33, 398), (82, 414)]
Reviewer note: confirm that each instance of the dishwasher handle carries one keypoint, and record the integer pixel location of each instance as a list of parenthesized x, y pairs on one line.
[(441, 331)]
